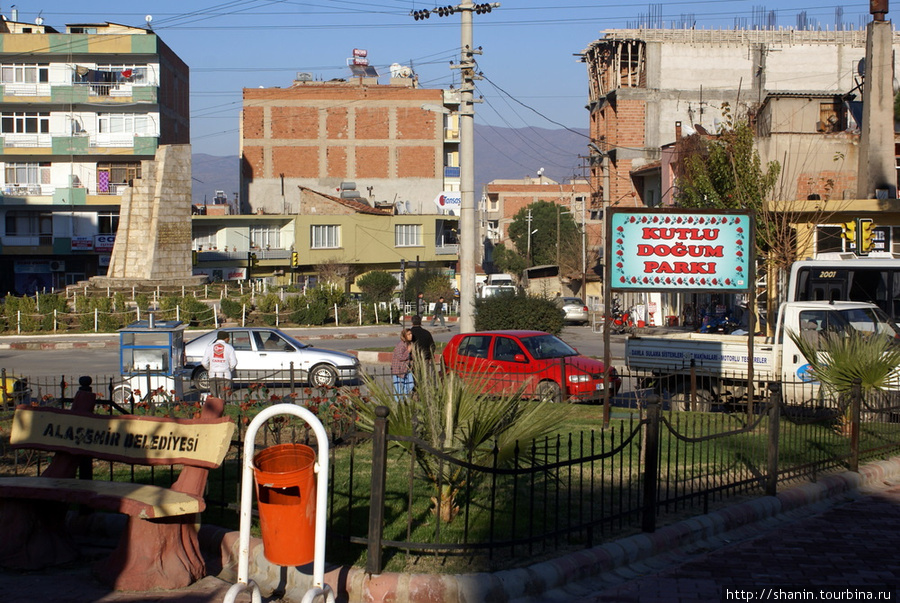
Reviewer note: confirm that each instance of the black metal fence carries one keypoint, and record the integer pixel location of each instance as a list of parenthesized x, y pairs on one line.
[(651, 465)]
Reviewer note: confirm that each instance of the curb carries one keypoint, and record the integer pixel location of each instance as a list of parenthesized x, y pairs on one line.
[(540, 581)]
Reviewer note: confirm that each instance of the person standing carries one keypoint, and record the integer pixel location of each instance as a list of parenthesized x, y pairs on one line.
[(439, 312), (400, 364), (421, 306), (422, 345), (219, 360)]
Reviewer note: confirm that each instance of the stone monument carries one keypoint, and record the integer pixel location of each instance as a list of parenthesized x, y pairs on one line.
[(153, 242)]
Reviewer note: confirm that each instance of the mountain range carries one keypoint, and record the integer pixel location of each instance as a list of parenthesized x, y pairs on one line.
[(500, 153)]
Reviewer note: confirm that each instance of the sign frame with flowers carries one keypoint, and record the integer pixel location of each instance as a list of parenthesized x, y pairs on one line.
[(680, 250)]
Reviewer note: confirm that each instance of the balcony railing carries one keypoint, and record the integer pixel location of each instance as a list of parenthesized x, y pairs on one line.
[(446, 249), (28, 140), (451, 172), (20, 89)]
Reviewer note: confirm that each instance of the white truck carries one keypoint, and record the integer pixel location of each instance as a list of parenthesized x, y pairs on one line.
[(720, 371)]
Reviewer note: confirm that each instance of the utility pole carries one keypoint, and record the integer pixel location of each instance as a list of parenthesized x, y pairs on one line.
[(467, 222)]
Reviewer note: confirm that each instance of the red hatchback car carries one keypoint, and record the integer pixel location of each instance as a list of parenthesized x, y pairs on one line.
[(502, 362)]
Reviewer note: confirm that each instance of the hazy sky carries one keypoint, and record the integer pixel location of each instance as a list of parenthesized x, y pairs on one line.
[(531, 75)]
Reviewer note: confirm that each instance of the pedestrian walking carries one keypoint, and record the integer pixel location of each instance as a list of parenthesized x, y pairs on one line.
[(422, 349), (219, 360), (438, 312), (400, 364)]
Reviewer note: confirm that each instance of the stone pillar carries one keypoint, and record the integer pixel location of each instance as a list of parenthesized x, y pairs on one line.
[(876, 142)]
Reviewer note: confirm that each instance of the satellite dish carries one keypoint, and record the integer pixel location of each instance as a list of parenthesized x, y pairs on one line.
[(395, 69), (406, 72), (148, 19), (861, 67), (39, 21)]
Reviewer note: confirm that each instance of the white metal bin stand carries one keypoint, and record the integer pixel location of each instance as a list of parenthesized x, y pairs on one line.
[(319, 588)]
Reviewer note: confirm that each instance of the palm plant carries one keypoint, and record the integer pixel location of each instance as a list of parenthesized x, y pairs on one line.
[(457, 418), (838, 360)]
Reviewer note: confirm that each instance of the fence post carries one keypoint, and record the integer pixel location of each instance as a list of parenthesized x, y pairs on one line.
[(651, 463), (360, 313), (774, 432), (855, 403), (243, 315), (18, 322), (376, 500), (563, 381), (3, 387), (96, 320), (375, 305), (276, 315), (336, 322), (54, 319), (178, 312)]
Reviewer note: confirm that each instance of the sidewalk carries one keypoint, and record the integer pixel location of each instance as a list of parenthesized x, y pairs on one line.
[(841, 532)]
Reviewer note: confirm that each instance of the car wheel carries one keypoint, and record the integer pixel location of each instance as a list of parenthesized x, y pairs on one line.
[(322, 375), (549, 391), (200, 379), (681, 400), (121, 394)]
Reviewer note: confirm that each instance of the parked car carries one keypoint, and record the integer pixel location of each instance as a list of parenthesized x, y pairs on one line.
[(574, 310), (542, 365), (265, 354)]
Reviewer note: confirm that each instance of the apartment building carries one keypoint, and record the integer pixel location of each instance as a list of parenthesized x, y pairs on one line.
[(392, 145), (79, 109), (643, 84)]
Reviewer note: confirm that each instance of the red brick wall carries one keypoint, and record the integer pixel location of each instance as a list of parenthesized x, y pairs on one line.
[(372, 124), (336, 162), (295, 162), (371, 162), (415, 162), (622, 126), (253, 123), (416, 124), (337, 123), (311, 203), (826, 184), (254, 162), (295, 122)]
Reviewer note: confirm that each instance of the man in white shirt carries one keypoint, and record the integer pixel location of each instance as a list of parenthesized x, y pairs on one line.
[(219, 361)]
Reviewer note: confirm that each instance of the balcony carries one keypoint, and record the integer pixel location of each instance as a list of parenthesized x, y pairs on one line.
[(28, 141), (27, 190), (451, 172), (451, 135)]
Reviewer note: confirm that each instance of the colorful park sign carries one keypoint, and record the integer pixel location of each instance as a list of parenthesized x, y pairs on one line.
[(653, 250)]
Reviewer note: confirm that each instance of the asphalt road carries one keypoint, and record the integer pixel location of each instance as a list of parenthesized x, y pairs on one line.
[(102, 355)]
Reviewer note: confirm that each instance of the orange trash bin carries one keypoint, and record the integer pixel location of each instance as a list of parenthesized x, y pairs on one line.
[(286, 497)]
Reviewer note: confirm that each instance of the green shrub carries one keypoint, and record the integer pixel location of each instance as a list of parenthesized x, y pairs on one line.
[(377, 285), (266, 305), (230, 308), (518, 312), (328, 294)]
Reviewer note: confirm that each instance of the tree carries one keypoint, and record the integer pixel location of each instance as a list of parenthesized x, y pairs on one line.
[(430, 281), (377, 285), (553, 225), (508, 260), (725, 172), (338, 273)]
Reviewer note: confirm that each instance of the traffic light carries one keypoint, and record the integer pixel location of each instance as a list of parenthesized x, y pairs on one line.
[(419, 15), (848, 231), (445, 11), (295, 259), (866, 230), (482, 8), (253, 260), (194, 257)]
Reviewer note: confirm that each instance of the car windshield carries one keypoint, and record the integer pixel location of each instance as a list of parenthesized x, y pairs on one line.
[(869, 321), (542, 347)]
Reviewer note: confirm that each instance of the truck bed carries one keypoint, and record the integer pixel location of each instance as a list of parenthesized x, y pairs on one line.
[(726, 354)]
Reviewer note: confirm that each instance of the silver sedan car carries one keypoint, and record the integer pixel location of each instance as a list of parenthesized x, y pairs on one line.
[(265, 354), (574, 310)]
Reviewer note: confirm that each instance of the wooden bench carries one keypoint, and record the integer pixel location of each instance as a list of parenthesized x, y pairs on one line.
[(159, 548)]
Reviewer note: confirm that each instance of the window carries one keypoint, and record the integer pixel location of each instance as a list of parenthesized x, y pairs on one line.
[(28, 223), (123, 123), (111, 174), (505, 349), (24, 74), (493, 204), (408, 235), (325, 236), (107, 222), (23, 174), (265, 236), (24, 122)]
